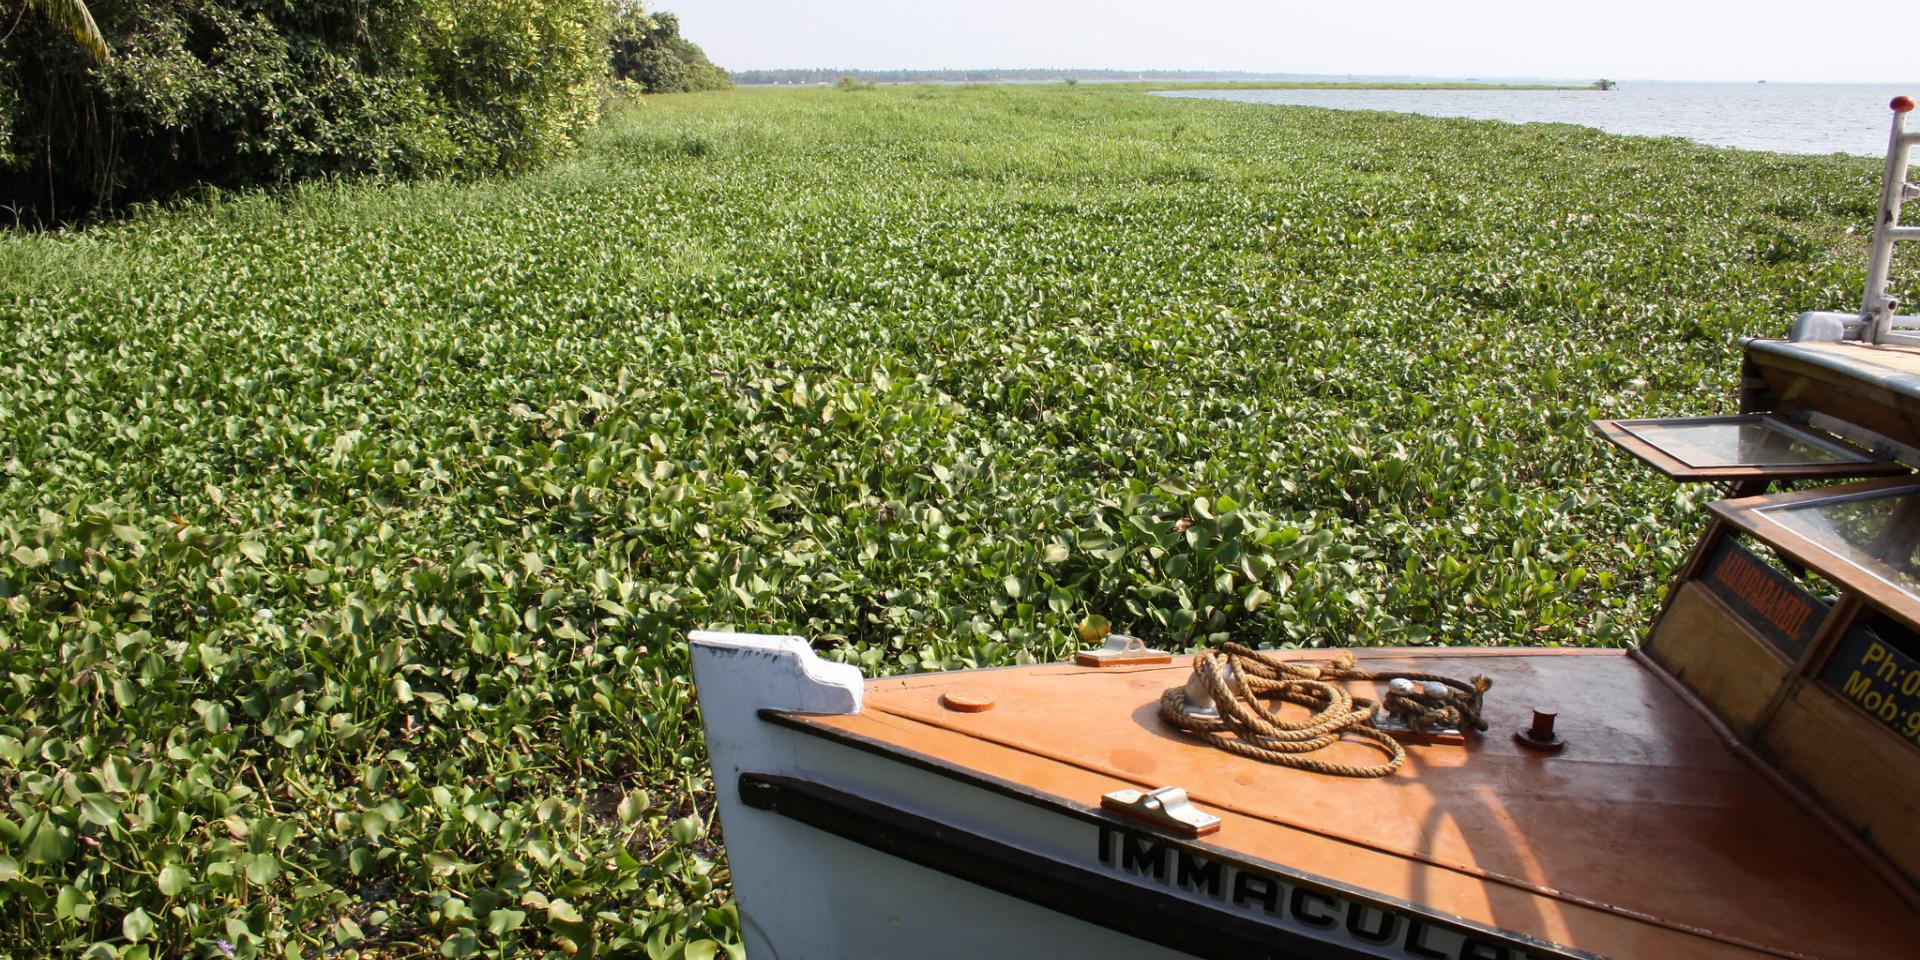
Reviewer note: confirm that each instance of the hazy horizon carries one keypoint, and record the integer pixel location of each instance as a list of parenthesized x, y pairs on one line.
[(1339, 77), (1642, 41)]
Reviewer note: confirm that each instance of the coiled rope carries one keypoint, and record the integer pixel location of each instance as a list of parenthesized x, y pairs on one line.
[(1239, 680)]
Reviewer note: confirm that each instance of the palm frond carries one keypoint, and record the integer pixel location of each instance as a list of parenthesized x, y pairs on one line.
[(74, 17)]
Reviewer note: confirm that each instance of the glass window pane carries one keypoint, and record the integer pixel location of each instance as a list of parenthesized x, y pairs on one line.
[(1740, 442), (1879, 531)]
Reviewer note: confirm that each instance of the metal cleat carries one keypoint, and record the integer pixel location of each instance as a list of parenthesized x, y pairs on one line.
[(1165, 807), (1397, 726), (1199, 703), (1120, 650)]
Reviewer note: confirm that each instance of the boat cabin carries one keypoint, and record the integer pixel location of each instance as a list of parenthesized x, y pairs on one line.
[(1796, 620)]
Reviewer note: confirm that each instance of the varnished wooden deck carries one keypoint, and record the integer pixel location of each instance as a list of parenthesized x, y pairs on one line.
[(1649, 836)]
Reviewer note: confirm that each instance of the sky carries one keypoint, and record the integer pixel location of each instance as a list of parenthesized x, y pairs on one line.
[(1777, 40)]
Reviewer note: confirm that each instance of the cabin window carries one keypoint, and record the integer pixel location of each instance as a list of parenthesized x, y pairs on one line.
[(1747, 447), (1877, 532), (1862, 536), (1740, 442)]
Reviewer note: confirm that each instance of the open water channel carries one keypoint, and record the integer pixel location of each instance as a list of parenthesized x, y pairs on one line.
[(1783, 117)]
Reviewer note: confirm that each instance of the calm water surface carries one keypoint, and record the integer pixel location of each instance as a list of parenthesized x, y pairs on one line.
[(1784, 117)]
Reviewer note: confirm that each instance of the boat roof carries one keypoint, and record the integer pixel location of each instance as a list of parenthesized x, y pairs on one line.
[(1651, 834), (1894, 368)]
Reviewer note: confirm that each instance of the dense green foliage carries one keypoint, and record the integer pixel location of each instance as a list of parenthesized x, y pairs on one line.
[(349, 538), (648, 50), (76, 18), (238, 92)]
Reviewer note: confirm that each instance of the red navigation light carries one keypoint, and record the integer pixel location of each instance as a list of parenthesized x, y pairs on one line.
[(1901, 104)]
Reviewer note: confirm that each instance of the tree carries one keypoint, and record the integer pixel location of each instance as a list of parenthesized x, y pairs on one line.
[(237, 93), (649, 50), (74, 17)]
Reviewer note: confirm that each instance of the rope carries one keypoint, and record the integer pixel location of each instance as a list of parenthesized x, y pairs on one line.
[(1238, 679)]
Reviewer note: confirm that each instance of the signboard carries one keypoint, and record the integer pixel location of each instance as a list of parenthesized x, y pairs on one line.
[(1769, 601), (1877, 677)]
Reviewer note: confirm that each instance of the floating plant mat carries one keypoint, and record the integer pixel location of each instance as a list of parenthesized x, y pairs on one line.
[(924, 374)]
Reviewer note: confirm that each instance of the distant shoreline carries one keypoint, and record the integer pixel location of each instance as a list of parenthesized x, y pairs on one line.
[(1152, 86), (1349, 85), (1155, 79)]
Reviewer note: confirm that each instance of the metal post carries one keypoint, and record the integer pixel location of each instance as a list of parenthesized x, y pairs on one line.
[(1877, 310)]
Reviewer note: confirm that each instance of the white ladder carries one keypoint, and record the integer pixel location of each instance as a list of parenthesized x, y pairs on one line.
[(1878, 322)]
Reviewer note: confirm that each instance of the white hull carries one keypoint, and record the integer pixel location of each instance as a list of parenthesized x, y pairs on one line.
[(840, 852)]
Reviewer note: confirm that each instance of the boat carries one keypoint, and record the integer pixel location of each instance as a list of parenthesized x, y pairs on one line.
[(1744, 784)]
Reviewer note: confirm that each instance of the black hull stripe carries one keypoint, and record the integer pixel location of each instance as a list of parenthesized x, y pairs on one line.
[(1168, 921)]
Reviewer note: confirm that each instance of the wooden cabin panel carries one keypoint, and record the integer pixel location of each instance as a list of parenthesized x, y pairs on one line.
[(1707, 647), (1866, 774), (1791, 388)]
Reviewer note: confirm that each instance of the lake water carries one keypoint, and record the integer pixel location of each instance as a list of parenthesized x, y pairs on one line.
[(1784, 117)]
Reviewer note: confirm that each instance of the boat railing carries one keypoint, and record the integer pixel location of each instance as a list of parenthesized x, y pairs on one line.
[(1878, 321)]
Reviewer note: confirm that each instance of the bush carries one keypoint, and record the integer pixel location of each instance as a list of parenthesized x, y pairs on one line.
[(649, 50), (241, 92)]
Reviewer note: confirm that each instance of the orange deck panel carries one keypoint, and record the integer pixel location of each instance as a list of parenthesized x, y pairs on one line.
[(1648, 836)]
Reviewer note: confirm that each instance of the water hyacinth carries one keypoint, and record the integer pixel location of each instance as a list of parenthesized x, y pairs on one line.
[(349, 538)]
